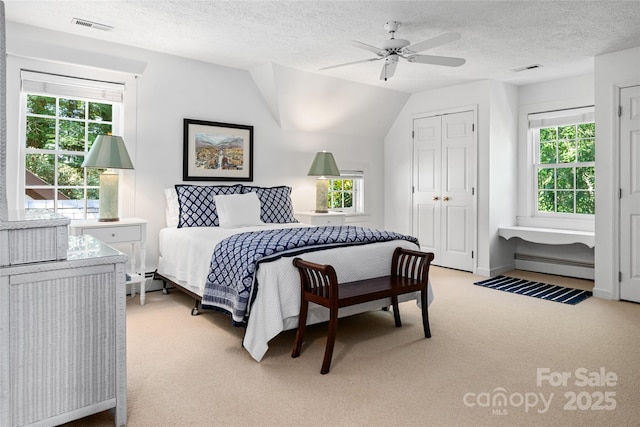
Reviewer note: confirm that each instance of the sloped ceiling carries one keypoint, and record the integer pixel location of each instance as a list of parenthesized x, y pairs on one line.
[(497, 36), (313, 103)]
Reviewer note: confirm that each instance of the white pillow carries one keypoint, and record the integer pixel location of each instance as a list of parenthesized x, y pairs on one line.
[(238, 210), (172, 213)]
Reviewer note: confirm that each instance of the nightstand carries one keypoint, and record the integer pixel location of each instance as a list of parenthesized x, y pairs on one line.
[(313, 218), (127, 230)]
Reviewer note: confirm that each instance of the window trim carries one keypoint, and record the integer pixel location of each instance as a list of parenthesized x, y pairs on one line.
[(556, 118), (526, 208), (59, 86), (57, 188), (357, 193), (90, 66)]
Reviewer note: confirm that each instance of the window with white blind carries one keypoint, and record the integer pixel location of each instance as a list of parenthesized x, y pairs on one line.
[(564, 163), (346, 192), (62, 116)]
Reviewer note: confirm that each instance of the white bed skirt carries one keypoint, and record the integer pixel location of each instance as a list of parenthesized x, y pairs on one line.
[(185, 255)]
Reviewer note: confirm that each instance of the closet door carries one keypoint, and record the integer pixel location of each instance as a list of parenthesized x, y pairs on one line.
[(630, 194), (427, 159), (444, 176)]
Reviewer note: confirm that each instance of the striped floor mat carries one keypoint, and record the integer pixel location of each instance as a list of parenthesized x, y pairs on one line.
[(536, 289)]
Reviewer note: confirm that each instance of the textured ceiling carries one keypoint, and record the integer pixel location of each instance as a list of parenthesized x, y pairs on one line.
[(497, 36)]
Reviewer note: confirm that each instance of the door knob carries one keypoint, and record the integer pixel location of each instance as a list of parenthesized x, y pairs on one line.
[(445, 198), (436, 198)]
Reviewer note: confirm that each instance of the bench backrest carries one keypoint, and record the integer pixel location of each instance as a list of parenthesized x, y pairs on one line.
[(411, 264), (316, 278), (320, 279)]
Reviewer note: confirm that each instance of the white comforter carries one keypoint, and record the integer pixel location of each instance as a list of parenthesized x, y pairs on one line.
[(185, 256)]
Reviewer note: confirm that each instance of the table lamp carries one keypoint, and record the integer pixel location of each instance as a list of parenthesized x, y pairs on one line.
[(323, 165), (108, 152)]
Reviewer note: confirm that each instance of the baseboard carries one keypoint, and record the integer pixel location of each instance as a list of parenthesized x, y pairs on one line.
[(603, 293), (483, 272), (495, 271)]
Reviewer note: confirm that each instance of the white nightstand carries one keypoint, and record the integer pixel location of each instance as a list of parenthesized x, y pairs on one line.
[(126, 230), (313, 218)]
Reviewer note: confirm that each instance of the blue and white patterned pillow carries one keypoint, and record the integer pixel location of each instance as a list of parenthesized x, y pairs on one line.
[(197, 207), (275, 203)]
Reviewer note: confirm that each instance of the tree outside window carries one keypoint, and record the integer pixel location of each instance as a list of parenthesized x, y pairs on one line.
[(346, 193), (59, 133), (565, 171), (340, 196)]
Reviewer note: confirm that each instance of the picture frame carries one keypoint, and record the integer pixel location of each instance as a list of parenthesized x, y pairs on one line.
[(217, 151)]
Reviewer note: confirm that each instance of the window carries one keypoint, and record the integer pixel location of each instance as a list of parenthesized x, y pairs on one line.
[(345, 193), (60, 125), (564, 165)]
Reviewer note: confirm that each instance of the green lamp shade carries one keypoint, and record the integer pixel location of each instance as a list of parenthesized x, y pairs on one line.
[(324, 165), (108, 152)]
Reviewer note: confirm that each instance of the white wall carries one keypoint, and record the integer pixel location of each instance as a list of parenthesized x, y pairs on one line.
[(612, 72), (171, 88), (496, 105), (503, 172)]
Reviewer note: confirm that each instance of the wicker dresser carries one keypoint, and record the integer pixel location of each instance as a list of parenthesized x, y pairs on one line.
[(63, 337)]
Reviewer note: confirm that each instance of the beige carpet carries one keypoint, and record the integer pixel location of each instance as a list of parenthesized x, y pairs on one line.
[(486, 344)]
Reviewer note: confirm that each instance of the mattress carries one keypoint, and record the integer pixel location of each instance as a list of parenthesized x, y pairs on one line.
[(185, 256)]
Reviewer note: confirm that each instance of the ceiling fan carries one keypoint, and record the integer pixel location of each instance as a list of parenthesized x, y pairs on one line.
[(393, 49)]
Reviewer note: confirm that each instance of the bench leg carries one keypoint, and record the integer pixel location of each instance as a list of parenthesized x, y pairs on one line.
[(396, 311), (302, 323), (425, 314), (331, 339)]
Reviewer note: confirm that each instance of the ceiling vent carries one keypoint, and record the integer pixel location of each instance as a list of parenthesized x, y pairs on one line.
[(528, 67), (89, 24)]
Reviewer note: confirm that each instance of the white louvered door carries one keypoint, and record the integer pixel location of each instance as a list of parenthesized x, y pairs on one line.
[(630, 194)]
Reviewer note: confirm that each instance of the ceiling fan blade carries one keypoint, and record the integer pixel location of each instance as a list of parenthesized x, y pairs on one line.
[(388, 69), (350, 63), (434, 42), (368, 47), (447, 61)]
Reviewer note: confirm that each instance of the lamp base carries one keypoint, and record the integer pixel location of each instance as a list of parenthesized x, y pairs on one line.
[(322, 192), (108, 196)]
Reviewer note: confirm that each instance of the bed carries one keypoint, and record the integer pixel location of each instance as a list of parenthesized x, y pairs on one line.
[(186, 252)]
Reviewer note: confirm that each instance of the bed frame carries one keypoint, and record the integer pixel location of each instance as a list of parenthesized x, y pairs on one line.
[(198, 298)]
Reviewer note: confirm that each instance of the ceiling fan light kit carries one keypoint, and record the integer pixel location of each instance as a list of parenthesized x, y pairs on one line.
[(393, 49)]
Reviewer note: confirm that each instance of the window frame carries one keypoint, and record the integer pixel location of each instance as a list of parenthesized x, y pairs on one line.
[(538, 166), (55, 204), (73, 88), (357, 192), (534, 122)]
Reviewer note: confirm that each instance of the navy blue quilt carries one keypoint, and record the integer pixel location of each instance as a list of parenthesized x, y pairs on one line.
[(235, 259)]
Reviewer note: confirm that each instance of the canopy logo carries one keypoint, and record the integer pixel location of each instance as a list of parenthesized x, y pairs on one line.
[(592, 394)]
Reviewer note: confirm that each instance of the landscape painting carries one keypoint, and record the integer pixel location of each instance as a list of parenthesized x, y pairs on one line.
[(217, 151)]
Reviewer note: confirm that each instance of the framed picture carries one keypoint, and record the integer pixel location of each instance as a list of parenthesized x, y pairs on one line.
[(217, 151)]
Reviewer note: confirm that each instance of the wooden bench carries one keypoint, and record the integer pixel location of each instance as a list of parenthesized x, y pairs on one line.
[(319, 284)]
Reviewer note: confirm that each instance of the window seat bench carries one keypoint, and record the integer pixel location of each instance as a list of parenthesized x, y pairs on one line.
[(549, 236)]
